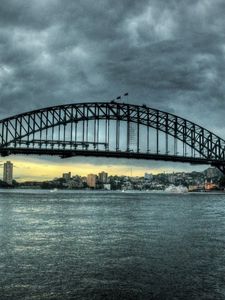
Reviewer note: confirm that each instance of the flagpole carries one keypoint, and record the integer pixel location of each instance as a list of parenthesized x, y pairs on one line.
[(126, 95)]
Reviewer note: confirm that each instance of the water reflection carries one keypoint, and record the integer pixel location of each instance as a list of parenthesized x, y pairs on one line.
[(111, 246)]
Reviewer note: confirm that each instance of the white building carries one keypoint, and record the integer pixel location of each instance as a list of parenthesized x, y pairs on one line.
[(107, 186)]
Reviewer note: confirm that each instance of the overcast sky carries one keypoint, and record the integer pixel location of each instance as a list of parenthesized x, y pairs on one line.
[(167, 54)]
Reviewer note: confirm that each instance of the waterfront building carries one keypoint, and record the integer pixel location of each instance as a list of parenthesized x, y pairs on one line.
[(75, 184), (196, 187), (66, 176), (210, 186), (91, 180), (107, 186), (103, 177), (171, 178), (84, 179), (8, 172)]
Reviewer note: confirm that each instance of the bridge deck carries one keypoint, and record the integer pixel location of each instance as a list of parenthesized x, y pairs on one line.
[(63, 153)]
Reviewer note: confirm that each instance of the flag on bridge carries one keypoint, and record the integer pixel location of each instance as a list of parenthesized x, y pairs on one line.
[(126, 94)]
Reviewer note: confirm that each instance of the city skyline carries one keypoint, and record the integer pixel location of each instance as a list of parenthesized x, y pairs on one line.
[(38, 170), (210, 179), (33, 172)]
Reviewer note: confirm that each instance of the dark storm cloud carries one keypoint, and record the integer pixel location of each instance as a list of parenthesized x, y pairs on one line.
[(168, 54)]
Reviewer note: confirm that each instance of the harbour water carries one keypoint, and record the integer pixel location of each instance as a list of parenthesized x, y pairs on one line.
[(111, 245)]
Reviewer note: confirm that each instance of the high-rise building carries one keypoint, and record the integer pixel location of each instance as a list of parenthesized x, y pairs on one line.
[(66, 176), (91, 180), (171, 178), (103, 177), (8, 172)]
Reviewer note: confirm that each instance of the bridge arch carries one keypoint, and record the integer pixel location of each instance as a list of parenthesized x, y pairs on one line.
[(19, 133)]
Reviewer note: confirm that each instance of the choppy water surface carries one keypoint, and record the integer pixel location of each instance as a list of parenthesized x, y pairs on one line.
[(111, 246)]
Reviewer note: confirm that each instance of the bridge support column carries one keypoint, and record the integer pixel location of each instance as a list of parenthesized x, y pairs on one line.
[(221, 168)]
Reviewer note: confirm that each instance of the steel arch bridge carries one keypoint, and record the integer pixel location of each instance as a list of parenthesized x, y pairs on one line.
[(110, 129)]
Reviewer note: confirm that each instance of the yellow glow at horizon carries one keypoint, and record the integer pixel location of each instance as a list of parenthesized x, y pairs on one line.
[(43, 170)]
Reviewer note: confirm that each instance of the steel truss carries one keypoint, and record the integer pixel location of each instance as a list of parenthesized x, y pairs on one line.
[(18, 134)]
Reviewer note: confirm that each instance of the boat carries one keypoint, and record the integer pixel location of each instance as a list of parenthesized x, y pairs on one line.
[(176, 189)]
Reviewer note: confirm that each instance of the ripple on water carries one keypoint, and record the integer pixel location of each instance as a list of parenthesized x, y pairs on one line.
[(111, 246)]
